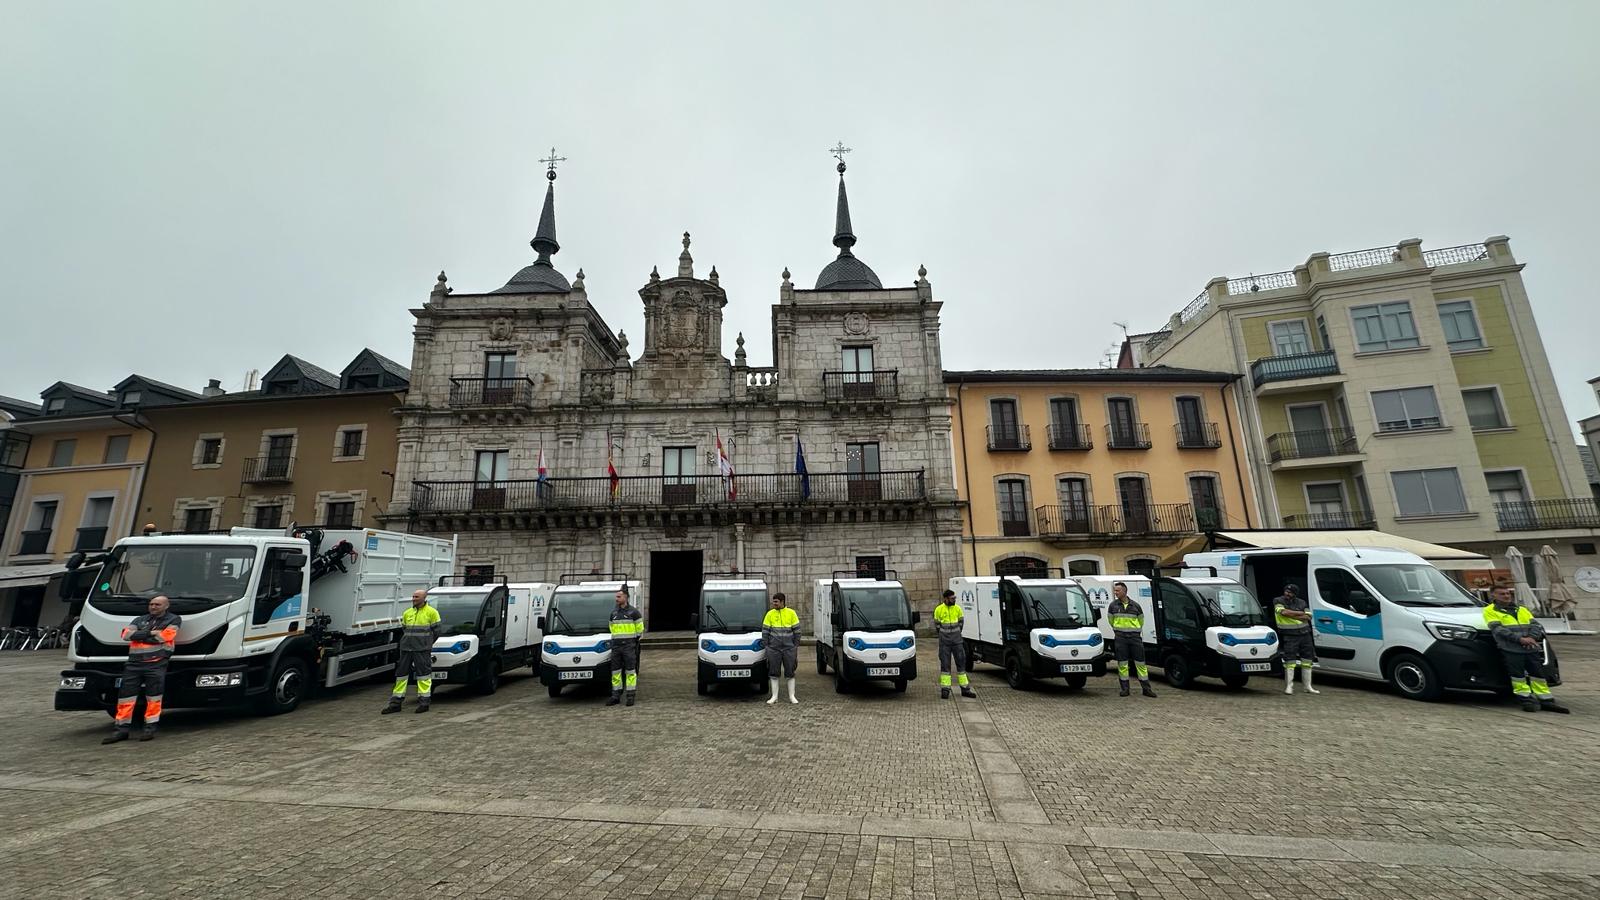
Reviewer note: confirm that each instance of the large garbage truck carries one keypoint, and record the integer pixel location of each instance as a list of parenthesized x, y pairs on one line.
[(268, 615)]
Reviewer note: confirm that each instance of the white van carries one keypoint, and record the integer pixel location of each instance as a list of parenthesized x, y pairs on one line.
[(863, 628), (487, 630), (728, 628), (577, 631), (1384, 615), (1033, 628)]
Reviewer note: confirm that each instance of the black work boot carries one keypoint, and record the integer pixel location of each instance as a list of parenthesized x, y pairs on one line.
[(1552, 706), (944, 693), (148, 734), (1530, 705), (121, 734), (393, 706), (629, 700), (1124, 691), (1144, 688), (615, 699), (422, 704), (966, 691)]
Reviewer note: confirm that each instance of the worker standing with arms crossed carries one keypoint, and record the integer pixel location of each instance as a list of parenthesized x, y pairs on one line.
[(1519, 639), (419, 628), (1292, 616), (780, 631), (952, 649), (626, 627), (1127, 642), (151, 639)]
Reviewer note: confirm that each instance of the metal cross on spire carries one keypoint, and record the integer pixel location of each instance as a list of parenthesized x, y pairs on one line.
[(550, 162), (839, 151)]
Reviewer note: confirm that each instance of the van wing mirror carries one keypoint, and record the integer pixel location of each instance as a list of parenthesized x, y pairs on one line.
[(1364, 603), (74, 561), (293, 560), (539, 623), (916, 617)]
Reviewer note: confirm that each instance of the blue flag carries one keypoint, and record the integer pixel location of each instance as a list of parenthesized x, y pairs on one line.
[(800, 469)]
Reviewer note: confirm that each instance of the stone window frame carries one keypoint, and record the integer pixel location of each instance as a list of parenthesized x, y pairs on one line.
[(840, 344), (1506, 424), (267, 434), (248, 514), (1050, 408), (1043, 560), (83, 514), (1088, 481), (1096, 558), (1153, 559), (338, 442), (1027, 504), (182, 505), (856, 551), (27, 513), (358, 497), (196, 459)]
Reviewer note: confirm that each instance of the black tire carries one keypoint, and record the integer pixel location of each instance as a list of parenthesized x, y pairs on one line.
[(822, 662), (1076, 682), (290, 683), (1414, 677), (1014, 674), (555, 689), (1179, 675), (700, 686), (490, 682), (839, 685), (972, 655), (900, 685), (1236, 680)]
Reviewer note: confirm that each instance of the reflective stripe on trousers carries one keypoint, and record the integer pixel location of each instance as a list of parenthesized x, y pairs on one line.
[(952, 657)]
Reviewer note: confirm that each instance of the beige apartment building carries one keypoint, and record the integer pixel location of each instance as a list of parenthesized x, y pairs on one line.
[(1398, 389)]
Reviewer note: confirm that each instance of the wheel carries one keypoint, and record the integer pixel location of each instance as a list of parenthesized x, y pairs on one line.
[(900, 685), (1414, 677), (822, 662), (839, 685), (1014, 674), (555, 690), (1178, 673), (972, 655), (1076, 682), (291, 681), (700, 686), (1236, 680), (490, 682), (757, 688)]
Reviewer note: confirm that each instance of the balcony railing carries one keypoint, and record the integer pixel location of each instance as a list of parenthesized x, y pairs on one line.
[(1015, 528), (653, 491), (1330, 521), (1312, 444), (34, 542), (91, 538), (1135, 436), (1197, 435), (1014, 437), (1449, 256), (1096, 521), (268, 469), (879, 384), (1070, 437), (1298, 365), (1536, 515), (467, 393)]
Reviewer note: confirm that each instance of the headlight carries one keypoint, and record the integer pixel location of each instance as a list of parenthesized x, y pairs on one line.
[(708, 646), (458, 647), (221, 679), (1096, 639), (1272, 638), (74, 683), (1227, 640), (857, 644), (759, 644), (550, 647), (605, 645), (907, 642), (1047, 640), (1452, 632)]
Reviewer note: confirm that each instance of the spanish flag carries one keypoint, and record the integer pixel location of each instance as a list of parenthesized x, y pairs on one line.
[(611, 471)]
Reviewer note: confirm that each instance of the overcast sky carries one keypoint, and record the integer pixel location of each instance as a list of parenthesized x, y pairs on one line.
[(191, 190)]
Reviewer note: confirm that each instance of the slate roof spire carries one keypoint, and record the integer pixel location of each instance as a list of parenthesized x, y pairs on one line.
[(542, 277), (845, 273)]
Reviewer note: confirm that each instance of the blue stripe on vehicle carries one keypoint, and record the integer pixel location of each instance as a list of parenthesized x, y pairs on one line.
[(716, 647), (593, 648)]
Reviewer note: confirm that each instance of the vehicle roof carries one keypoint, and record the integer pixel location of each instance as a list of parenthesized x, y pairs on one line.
[(1385, 553), (730, 584), (1201, 579), (535, 585), (860, 582), (210, 539), (595, 586), (463, 590)]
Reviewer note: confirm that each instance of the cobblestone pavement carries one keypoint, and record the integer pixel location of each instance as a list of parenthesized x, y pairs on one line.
[(1250, 794)]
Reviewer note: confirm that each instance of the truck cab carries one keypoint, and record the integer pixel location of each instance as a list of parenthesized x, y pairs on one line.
[(863, 629), (1032, 627), (728, 631), (577, 630), (1205, 625), (486, 630)]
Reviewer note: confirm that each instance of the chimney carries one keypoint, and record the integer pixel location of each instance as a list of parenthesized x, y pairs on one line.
[(213, 388)]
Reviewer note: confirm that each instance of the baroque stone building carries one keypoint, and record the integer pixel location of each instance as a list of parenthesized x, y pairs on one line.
[(530, 374)]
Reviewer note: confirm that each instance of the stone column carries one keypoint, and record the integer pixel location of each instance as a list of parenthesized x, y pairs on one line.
[(738, 545), (609, 532)]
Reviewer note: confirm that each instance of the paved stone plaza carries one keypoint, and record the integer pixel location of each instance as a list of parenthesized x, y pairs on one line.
[(1353, 793)]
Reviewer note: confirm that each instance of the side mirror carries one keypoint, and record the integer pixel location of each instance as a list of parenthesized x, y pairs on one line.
[(916, 617), (539, 623), (490, 623), (295, 560), (694, 621), (1365, 604), (74, 561), (1096, 611)]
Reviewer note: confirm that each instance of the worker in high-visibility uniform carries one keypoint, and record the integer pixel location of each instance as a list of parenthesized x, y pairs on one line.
[(419, 629), (1520, 640), (151, 639), (780, 632), (1291, 615), (1127, 642), (626, 627), (952, 647)]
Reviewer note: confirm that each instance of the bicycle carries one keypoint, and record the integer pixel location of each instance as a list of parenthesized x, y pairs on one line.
[(45, 639)]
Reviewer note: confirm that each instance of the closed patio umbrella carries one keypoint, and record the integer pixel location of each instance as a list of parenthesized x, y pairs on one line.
[(1519, 581), (1561, 601)]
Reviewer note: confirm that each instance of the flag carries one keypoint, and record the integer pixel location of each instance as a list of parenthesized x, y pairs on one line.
[(544, 474), (800, 469), (725, 468), (611, 472)]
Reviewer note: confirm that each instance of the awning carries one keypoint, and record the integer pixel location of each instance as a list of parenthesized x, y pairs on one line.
[(28, 576), (1441, 556)]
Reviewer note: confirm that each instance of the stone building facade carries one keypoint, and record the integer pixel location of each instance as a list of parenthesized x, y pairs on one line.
[(530, 374)]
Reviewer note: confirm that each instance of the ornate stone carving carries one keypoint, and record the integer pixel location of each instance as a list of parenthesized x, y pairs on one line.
[(501, 329), (855, 323), (683, 322)]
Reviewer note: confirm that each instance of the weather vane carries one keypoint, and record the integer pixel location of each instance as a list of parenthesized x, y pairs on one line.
[(550, 161), (839, 151)]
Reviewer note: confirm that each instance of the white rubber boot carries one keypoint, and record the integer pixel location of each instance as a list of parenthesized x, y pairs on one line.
[(1305, 675), (774, 697), (1288, 680), (792, 697)]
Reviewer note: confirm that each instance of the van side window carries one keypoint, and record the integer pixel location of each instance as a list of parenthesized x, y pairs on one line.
[(1337, 586), (277, 585), (1179, 610)]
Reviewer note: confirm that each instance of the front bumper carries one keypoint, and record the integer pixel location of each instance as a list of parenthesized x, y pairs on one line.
[(550, 675), (1050, 667), (1467, 665), (99, 690), (856, 670), (709, 672), (1229, 665)]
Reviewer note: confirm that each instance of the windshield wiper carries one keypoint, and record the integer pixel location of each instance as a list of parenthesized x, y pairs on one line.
[(713, 611), (555, 613), (861, 615), (1044, 614)]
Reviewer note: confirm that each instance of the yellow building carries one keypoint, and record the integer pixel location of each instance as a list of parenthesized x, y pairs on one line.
[(1095, 470)]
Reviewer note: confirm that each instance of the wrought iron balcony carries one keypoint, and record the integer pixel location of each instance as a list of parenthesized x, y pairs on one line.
[(494, 393), (1014, 437), (1197, 435), (1070, 521), (658, 491), (1330, 521), (91, 538), (1298, 365), (1312, 444), (1538, 515), (877, 385), (1134, 436), (34, 542), (1070, 437), (268, 469)]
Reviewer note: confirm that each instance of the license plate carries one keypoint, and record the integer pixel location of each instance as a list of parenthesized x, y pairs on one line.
[(1077, 667), (575, 676), (883, 671), (733, 673), (441, 676), (1255, 667)]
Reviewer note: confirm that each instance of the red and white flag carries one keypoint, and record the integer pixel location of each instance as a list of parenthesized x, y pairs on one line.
[(611, 472), (544, 474), (725, 468)]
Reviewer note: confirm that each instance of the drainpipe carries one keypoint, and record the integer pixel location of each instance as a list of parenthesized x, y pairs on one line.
[(1238, 471), (966, 477)]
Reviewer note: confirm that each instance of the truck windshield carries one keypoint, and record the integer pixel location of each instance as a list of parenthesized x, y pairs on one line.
[(740, 610), (1233, 606), (580, 612), (458, 613), (877, 608), (1409, 584), (1057, 605), (195, 577)]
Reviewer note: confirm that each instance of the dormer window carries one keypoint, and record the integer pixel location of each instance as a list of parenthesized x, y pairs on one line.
[(286, 386), (363, 382), (131, 398), (55, 405)]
